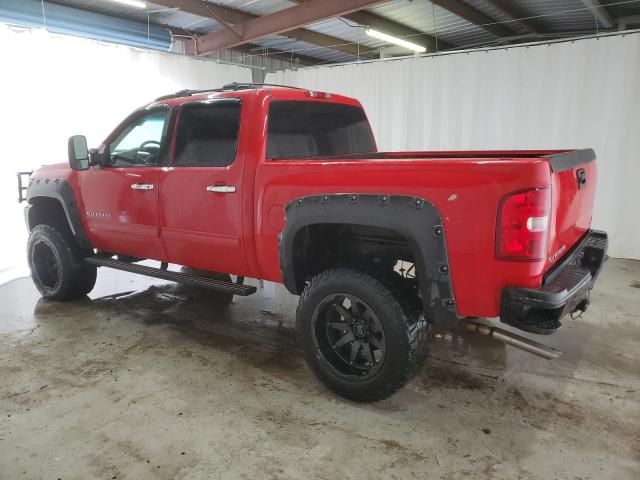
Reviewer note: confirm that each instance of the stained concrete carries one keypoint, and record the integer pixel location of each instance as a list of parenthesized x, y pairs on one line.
[(159, 382)]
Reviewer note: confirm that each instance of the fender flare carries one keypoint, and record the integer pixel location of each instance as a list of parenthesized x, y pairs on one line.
[(414, 218), (59, 189)]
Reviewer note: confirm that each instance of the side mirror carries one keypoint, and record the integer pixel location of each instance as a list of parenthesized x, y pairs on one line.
[(78, 153)]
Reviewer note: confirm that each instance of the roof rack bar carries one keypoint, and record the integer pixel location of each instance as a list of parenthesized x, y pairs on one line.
[(229, 86), (239, 86)]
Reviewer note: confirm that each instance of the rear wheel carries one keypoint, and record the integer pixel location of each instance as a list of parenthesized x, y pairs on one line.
[(56, 265), (362, 338)]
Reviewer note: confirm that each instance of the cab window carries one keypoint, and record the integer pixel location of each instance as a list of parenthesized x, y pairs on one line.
[(140, 142), (208, 134), (305, 129)]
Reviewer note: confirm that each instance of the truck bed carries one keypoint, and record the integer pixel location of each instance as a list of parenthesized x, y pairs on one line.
[(465, 187)]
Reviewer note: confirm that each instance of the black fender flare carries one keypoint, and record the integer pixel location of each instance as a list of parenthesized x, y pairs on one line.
[(59, 189), (414, 218)]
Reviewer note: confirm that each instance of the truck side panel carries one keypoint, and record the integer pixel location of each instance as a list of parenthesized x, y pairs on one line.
[(466, 192)]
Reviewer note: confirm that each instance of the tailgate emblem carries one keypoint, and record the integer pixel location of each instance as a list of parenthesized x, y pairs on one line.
[(581, 176), (558, 252)]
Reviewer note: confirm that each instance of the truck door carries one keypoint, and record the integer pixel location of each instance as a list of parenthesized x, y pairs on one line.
[(121, 197), (200, 194)]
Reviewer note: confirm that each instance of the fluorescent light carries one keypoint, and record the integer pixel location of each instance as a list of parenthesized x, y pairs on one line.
[(396, 41), (132, 3)]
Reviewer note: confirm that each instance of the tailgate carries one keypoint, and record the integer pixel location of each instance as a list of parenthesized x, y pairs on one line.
[(573, 186)]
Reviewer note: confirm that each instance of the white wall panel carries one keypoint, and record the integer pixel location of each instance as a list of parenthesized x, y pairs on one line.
[(54, 86), (564, 95)]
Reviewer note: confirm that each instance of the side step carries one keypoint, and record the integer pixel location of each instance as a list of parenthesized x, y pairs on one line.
[(180, 277)]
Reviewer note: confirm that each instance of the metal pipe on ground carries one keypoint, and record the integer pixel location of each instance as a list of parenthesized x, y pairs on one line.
[(513, 339)]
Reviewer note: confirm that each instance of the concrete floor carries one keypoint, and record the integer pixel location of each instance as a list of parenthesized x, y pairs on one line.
[(160, 384)]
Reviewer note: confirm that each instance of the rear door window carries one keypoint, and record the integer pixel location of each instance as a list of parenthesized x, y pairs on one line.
[(301, 129), (208, 134)]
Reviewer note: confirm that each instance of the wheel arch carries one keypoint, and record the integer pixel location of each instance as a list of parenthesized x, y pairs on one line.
[(52, 201), (402, 225)]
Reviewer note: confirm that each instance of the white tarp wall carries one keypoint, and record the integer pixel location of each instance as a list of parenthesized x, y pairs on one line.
[(564, 95), (55, 86)]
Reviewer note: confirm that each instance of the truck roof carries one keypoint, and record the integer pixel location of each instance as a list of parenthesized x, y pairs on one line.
[(234, 86), (244, 89)]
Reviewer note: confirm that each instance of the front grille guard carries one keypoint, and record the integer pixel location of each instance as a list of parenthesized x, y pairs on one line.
[(23, 183)]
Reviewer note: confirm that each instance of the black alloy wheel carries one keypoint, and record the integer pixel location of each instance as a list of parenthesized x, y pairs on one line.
[(46, 265), (349, 335)]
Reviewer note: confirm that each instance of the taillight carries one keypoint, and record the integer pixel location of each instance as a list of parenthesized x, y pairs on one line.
[(523, 224)]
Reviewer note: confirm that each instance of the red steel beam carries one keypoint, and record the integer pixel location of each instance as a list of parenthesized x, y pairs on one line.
[(232, 17), (288, 19), (189, 49)]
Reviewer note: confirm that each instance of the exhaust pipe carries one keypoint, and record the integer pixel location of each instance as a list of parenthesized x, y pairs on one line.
[(513, 339)]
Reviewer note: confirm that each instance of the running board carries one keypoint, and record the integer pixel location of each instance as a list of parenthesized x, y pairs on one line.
[(180, 277)]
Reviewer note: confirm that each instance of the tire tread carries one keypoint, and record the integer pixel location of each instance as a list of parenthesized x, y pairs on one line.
[(416, 328), (78, 279)]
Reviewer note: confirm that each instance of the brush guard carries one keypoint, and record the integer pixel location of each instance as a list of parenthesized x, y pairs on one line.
[(23, 183)]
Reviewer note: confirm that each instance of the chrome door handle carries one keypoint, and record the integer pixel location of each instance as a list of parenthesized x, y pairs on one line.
[(142, 186), (221, 189)]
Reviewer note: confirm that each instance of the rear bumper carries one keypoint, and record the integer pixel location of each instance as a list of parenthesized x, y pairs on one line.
[(565, 289)]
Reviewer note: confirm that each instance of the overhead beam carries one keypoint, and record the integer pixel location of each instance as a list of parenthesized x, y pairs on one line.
[(233, 17), (249, 48), (282, 21), (507, 9), (599, 12), (475, 16), (328, 41), (623, 22)]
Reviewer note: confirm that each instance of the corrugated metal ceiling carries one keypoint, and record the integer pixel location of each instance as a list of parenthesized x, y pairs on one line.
[(256, 7), (498, 15), (426, 17), (548, 16), (558, 16), (285, 44), (347, 30)]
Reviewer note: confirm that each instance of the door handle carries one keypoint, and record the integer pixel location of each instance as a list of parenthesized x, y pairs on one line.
[(221, 189), (142, 186)]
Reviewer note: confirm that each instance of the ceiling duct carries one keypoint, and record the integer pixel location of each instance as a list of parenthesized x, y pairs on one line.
[(81, 23)]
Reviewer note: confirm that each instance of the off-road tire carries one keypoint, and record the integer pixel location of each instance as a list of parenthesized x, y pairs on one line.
[(67, 277), (406, 330)]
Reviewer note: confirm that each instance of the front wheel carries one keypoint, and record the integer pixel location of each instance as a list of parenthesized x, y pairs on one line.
[(56, 265), (362, 338)]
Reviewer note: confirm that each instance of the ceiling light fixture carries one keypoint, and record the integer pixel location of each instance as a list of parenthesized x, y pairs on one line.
[(396, 41), (132, 3)]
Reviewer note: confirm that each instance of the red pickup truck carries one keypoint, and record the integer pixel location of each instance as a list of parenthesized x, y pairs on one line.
[(286, 184)]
